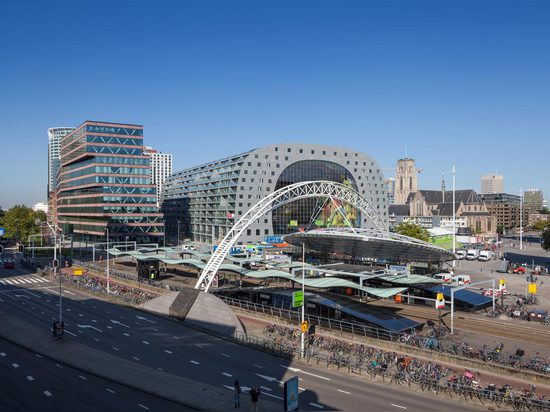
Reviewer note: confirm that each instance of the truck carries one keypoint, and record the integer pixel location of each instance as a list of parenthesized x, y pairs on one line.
[(472, 254), (460, 254), (485, 255)]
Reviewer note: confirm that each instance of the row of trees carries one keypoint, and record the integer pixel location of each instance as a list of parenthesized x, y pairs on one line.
[(20, 222)]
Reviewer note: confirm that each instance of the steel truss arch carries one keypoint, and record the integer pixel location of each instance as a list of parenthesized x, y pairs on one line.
[(287, 194)]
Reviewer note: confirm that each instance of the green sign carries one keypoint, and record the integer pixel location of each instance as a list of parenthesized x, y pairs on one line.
[(298, 299)]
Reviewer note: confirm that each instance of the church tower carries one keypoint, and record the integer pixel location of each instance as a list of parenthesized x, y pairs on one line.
[(405, 180)]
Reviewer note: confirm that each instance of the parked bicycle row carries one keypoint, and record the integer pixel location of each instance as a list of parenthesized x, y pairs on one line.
[(488, 353), (98, 285), (403, 370)]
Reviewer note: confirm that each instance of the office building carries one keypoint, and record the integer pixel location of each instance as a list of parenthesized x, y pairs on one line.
[(42, 206), (492, 183), (405, 180), (161, 168), (505, 208), (104, 183), (205, 201), (533, 199)]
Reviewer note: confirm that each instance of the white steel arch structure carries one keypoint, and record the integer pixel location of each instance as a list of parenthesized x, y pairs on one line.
[(284, 195)]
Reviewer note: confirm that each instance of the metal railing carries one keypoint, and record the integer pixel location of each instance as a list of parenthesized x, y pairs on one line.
[(327, 323)]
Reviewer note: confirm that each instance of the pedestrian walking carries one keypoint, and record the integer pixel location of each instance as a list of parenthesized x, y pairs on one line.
[(254, 394), (237, 388)]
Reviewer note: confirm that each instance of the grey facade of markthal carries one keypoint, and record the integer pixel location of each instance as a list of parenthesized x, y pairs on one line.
[(204, 202)]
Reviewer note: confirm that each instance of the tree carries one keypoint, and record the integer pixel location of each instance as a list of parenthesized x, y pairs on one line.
[(546, 238), (540, 225), (545, 211), (413, 230), (21, 221)]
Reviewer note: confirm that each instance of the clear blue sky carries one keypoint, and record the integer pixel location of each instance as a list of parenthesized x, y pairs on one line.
[(456, 82)]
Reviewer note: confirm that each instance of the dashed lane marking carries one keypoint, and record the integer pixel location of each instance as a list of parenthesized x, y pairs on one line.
[(168, 352), (59, 366), (115, 348), (226, 355), (70, 333), (398, 406), (258, 366), (83, 377), (110, 390), (317, 405), (145, 342), (126, 334), (37, 355), (194, 362), (2, 354), (30, 378), (341, 391), (47, 393), (135, 357), (143, 406), (15, 365), (227, 374)]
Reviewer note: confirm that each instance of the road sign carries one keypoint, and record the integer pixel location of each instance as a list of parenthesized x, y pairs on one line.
[(304, 326), (77, 272), (440, 301), (532, 288), (55, 263), (298, 299)]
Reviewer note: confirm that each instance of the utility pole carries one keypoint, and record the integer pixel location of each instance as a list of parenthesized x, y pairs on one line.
[(108, 286), (454, 218), (521, 219), (302, 346)]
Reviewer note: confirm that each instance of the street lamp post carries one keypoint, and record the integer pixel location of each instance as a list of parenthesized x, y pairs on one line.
[(302, 346), (108, 285), (521, 219), (454, 218), (178, 232), (55, 265)]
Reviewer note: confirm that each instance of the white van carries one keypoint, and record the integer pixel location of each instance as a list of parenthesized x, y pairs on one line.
[(445, 277), (460, 254), (485, 255), (472, 254), (461, 280)]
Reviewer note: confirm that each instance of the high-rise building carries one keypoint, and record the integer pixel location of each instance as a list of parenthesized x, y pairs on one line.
[(161, 168), (492, 183), (390, 190), (205, 201), (533, 199), (506, 208), (104, 183), (55, 134), (405, 180)]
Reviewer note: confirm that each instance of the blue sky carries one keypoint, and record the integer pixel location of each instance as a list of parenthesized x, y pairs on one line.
[(450, 82)]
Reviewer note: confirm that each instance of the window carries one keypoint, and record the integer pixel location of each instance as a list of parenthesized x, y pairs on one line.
[(286, 157), (301, 150), (249, 163), (276, 149), (288, 150), (243, 179), (266, 231), (257, 232), (248, 232), (313, 152)]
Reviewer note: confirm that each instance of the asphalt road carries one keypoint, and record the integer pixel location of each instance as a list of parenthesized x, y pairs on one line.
[(169, 346)]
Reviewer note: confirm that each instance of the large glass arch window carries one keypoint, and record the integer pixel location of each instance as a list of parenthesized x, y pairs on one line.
[(307, 214)]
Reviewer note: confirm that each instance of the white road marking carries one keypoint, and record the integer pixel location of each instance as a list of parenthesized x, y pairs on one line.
[(227, 374), (258, 366), (93, 320), (176, 337), (88, 326), (198, 345), (160, 369), (70, 333), (135, 357), (194, 362), (23, 296), (110, 390), (156, 330), (341, 391), (116, 322), (115, 348), (143, 406), (109, 327), (168, 352), (80, 314), (15, 365), (82, 377), (2, 354), (398, 406), (126, 334), (33, 294), (265, 388), (96, 339), (69, 292), (59, 366), (30, 378), (145, 342), (68, 310), (226, 355), (307, 373), (274, 396), (47, 393), (145, 319), (37, 355), (268, 378), (317, 405), (34, 280)]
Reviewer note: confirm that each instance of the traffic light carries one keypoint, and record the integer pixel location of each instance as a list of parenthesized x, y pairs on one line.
[(55, 263), (20, 248)]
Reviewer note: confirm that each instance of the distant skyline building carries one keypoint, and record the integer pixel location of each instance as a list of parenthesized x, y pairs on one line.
[(161, 168), (43, 206), (533, 200), (390, 190), (405, 180), (505, 207), (55, 134), (205, 201), (104, 183), (492, 183)]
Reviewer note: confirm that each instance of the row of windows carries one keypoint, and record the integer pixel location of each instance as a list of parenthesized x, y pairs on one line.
[(259, 164), (107, 179), (114, 140), (108, 209), (115, 150), (129, 131), (107, 169)]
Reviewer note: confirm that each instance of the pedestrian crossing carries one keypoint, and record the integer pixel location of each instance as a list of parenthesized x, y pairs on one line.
[(21, 280)]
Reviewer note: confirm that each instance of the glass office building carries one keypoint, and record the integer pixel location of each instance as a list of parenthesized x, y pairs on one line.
[(104, 183), (205, 201)]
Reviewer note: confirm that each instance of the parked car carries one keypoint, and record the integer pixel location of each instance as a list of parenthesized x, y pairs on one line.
[(9, 264), (461, 280), (460, 254), (472, 254), (485, 255), (445, 277)]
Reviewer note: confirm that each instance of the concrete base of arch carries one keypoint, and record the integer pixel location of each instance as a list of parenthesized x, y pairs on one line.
[(198, 309)]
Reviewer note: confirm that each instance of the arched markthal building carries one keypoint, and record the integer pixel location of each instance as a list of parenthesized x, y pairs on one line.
[(204, 202), (370, 244)]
